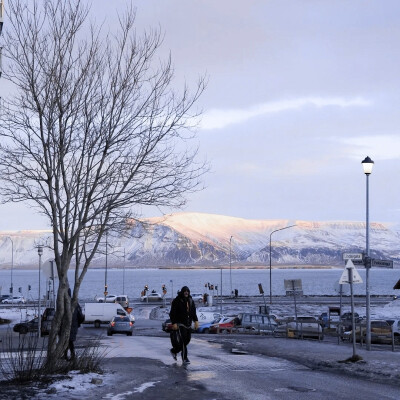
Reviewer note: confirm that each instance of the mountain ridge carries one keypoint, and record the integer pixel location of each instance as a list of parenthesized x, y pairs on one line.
[(200, 239)]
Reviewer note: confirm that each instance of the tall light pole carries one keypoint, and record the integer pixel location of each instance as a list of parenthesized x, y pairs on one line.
[(12, 266), (230, 261), (220, 296), (40, 253), (105, 273), (270, 259), (123, 275), (367, 165)]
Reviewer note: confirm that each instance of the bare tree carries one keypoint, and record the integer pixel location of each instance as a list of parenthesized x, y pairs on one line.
[(93, 129)]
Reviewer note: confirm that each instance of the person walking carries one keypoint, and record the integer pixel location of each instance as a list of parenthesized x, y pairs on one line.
[(77, 319), (182, 314)]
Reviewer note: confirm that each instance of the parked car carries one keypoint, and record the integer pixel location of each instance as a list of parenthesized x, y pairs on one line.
[(14, 300), (324, 319), (305, 326), (4, 296), (110, 298), (345, 324), (224, 325), (395, 323), (166, 326), (258, 322), (47, 318), (123, 300), (27, 326), (197, 297), (381, 331), (205, 328), (120, 324), (153, 296)]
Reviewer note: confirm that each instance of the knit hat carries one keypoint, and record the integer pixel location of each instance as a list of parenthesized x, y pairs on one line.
[(184, 289)]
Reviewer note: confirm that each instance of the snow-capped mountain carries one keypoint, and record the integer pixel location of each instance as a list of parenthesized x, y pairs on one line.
[(196, 239)]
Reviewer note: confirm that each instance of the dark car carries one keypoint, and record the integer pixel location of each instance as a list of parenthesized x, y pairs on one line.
[(120, 324), (346, 320), (27, 326), (47, 318)]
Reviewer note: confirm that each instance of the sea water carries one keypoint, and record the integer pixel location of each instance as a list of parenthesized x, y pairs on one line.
[(132, 281)]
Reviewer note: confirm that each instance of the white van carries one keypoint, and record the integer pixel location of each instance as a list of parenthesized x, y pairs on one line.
[(102, 313)]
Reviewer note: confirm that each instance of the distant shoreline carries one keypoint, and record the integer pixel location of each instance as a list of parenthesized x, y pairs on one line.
[(234, 267)]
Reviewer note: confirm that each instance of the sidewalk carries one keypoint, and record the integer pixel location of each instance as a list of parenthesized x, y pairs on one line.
[(378, 364)]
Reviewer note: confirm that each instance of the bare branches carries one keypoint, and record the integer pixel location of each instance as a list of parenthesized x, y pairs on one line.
[(95, 127)]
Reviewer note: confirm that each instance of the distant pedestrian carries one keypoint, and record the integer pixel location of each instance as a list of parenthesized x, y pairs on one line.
[(77, 319), (182, 314)]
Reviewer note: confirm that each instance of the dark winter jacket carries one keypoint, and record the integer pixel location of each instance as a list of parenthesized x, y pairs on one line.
[(77, 319), (183, 311)]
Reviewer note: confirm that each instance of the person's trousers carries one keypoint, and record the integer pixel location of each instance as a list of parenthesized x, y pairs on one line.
[(180, 340)]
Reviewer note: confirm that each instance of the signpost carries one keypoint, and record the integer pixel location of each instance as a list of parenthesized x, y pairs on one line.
[(350, 276), (261, 290), (381, 263), (352, 256), (360, 259), (293, 287)]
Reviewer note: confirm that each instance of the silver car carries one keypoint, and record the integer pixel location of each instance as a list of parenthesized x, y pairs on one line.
[(120, 324), (305, 326), (258, 322), (14, 300)]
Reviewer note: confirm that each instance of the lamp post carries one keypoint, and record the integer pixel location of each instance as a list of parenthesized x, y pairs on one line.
[(40, 253), (230, 261), (270, 259), (220, 295), (105, 272), (12, 266), (123, 275), (367, 165)]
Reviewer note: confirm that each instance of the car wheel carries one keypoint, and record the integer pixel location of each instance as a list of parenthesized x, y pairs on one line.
[(109, 334), (206, 330)]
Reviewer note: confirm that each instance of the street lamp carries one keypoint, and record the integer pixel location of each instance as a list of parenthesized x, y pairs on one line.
[(105, 272), (230, 261), (220, 294), (367, 165), (123, 275), (12, 266), (270, 259), (40, 253)]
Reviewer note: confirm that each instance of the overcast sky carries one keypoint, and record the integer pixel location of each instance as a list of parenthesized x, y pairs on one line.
[(299, 93)]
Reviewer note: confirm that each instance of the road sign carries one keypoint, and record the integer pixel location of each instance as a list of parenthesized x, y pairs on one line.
[(260, 288), (293, 284), (345, 275), (352, 256), (381, 263)]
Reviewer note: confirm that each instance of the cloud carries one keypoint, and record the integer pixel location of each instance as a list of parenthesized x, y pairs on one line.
[(378, 147), (217, 118)]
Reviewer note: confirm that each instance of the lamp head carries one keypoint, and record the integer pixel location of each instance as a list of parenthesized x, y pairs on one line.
[(367, 165)]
